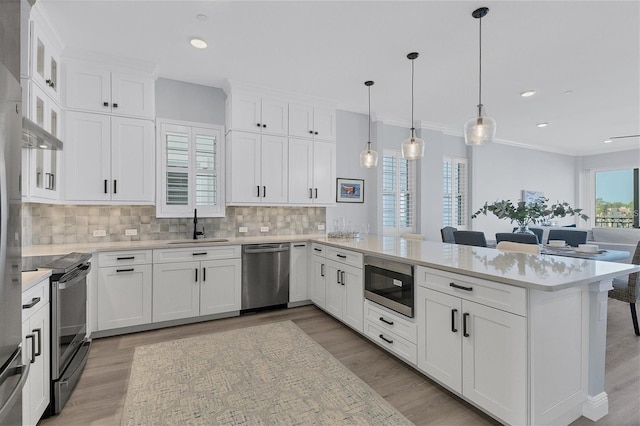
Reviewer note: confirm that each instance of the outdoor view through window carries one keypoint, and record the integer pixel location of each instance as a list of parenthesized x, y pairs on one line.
[(617, 198)]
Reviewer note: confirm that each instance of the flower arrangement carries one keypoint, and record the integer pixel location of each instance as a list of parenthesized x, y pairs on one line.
[(523, 214)]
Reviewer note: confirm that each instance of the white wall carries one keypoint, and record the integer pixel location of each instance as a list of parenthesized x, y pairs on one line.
[(183, 101)]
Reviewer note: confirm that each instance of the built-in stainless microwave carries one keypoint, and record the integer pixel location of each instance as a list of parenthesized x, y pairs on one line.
[(389, 284)]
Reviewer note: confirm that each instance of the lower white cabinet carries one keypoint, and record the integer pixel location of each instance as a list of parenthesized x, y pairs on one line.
[(36, 350), (298, 274), (393, 331), (317, 277)]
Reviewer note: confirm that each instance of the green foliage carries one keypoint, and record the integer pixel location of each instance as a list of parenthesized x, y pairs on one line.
[(525, 213)]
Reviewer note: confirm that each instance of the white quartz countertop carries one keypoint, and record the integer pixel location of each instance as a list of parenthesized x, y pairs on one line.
[(544, 272), (31, 278)]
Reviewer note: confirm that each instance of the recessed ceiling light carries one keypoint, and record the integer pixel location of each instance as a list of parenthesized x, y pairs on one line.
[(198, 43), (43, 146), (202, 17), (568, 92), (542, 124), (608, 141), (528, 93)]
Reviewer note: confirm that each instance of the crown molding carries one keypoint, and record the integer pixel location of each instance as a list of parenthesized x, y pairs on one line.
[(233, 85), (390, 120), (73, 54)]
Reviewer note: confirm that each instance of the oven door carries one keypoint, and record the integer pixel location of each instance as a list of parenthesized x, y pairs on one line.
[(389, 288), (68, 317)]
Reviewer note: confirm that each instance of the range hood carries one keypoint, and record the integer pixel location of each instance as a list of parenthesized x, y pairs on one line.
[(34, 136)]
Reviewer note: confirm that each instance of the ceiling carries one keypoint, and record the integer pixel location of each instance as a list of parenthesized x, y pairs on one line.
[(582, 57)]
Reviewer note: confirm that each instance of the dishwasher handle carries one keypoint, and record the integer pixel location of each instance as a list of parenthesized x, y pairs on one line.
[(266, 250)]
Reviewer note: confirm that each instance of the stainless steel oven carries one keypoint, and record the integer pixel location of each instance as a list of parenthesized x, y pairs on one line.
[(389, 284)]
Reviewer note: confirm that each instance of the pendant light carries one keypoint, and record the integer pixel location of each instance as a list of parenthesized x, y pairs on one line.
[(482, 129), (412, 148), (368, 157)]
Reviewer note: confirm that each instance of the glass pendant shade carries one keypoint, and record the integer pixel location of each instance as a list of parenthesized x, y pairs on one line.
[(413, 148), (368, 158), (479, 131)]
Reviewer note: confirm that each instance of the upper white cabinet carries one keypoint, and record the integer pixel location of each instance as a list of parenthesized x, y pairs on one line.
[(257, 168), (109, 159), (190, 171), (312, 172), (92, 88), (255, 113), (309, 121)]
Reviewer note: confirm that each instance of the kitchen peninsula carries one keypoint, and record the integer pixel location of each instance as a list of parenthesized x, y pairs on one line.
[(533, 348)]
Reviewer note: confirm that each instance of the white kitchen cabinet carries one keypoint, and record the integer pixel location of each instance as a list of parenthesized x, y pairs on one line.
[(124, 296), (44, 56), (190, 170), (474, 349), (36, 350), (176, 291), (256, 113), (220, 286), (299, 272), (312, 172), (96, 89), (345, 293), (317, 276), (109, 159), (309, 121), (257, 169)]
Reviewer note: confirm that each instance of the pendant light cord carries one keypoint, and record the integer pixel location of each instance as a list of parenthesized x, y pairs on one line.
[(369, 123), (480, 69), (412, 128)]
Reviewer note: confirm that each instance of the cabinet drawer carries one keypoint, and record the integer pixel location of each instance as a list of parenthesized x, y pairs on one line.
[(393, 343), (345, 256), (497, 295), (30, 297), (196, 253), (318, 249), (381, 317), (118, 258)]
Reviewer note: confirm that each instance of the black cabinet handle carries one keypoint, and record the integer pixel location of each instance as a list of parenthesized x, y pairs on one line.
[(322, 270), (48, 178), (454, 285), (315, 133), (386, 340), (105, 104), (196, 274), (105, 186), (34, 302), (53, 181), (338, 276), (316, 193), (453, 321), (204, 274), (258, 190), (299, 245), (115, 105), (464, 324), (33, 347), (39, 351), (258, 124), (52, 85), (317, 249), (264, 191), (202, 253), (115, 186), (264, 125), (342, 278), (125, 270), (48, 81), (386, 321), (310, 192), (126, 258), (310, 132), (341, 256)]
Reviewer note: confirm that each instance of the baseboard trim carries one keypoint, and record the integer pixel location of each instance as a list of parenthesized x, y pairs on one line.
[(596, 407)]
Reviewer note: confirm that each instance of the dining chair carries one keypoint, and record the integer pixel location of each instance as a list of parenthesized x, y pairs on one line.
[(516, 237), (412, 236), (519, 247), (470, 238), (573, 238), (538, 231), (628, 290), (447, 234)]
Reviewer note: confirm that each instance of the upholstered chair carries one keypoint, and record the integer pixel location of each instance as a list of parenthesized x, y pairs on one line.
[(517, 238), (573, 238), (470, 238), (628, 290), (538, 231), (447, 234)]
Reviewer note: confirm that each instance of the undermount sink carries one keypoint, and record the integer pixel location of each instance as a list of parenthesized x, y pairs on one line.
[(201, 241)]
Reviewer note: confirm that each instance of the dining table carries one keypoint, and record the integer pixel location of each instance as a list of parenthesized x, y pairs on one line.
[(600, 254)]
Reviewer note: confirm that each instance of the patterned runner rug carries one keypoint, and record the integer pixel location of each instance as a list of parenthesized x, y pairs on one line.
[(271, 374)]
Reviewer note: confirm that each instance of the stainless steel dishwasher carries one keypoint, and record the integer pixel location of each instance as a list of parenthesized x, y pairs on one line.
[(265, 275)]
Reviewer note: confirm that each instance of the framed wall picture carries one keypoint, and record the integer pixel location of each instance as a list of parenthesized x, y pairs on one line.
[(350, 191), (529, 196)]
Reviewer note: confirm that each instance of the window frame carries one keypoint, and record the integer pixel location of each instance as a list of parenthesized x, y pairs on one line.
[(455, 211), (591, 195), (398, 230)]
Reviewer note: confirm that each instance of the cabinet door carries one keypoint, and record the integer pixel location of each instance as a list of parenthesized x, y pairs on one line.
[(244, 167), (318, 281), (439, 333), (246, 112), (220, 288), (274, 169), (300, 171), (298, 272), (124, 296), (324, 173), (300, 120), (324, 124), (495, 361), (176, 291), (275, 116), (132, 165), (88, 88), (132, 95), (27, 349), (335, 289), (353, 304), (46, 62), (40, 370), (88, 157)]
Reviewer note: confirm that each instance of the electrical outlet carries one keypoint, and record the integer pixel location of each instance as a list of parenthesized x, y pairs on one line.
[(321, 227), (243, 229), (130, 232), (100, 233), (264, 229)]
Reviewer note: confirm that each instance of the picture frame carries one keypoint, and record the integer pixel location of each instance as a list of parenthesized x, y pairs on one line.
[(349, 190), (529, 196)]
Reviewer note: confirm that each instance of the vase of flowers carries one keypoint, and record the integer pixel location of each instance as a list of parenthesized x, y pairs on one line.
[(524, 214)]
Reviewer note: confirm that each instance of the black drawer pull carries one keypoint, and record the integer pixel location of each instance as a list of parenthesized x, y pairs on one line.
[(464, 324), (316, 193), (204, 253), (125, 270), (322, 270), (204, 274), (386, 321), (453, 321), (39, 331), (338, 276), (126, 258), (341, 256), (299, 245), (454, 285), (386, 340), (34, 302), (310, 192), (317, 249), (342, 278), (33, 347), (105, 186), (196, 274)]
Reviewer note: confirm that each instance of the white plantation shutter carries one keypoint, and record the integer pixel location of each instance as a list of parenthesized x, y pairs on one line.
[(398, 193), (454, 192)]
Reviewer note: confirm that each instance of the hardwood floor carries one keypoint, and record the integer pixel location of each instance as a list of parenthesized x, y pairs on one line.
[(99, 397)]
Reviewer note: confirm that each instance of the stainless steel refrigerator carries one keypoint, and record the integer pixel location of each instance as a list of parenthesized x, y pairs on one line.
[(13, 373)]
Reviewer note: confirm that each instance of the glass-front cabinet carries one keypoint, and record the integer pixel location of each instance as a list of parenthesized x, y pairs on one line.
[(45, 61), (191, 175)]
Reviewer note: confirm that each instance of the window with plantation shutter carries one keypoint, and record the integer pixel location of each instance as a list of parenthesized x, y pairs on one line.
[(454, 192), (398, 193), (191, 176)]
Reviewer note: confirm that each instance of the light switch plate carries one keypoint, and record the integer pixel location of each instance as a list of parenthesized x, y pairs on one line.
[(264, 229), (130, 232), (321, 227), (99, 233), (243, 229)]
